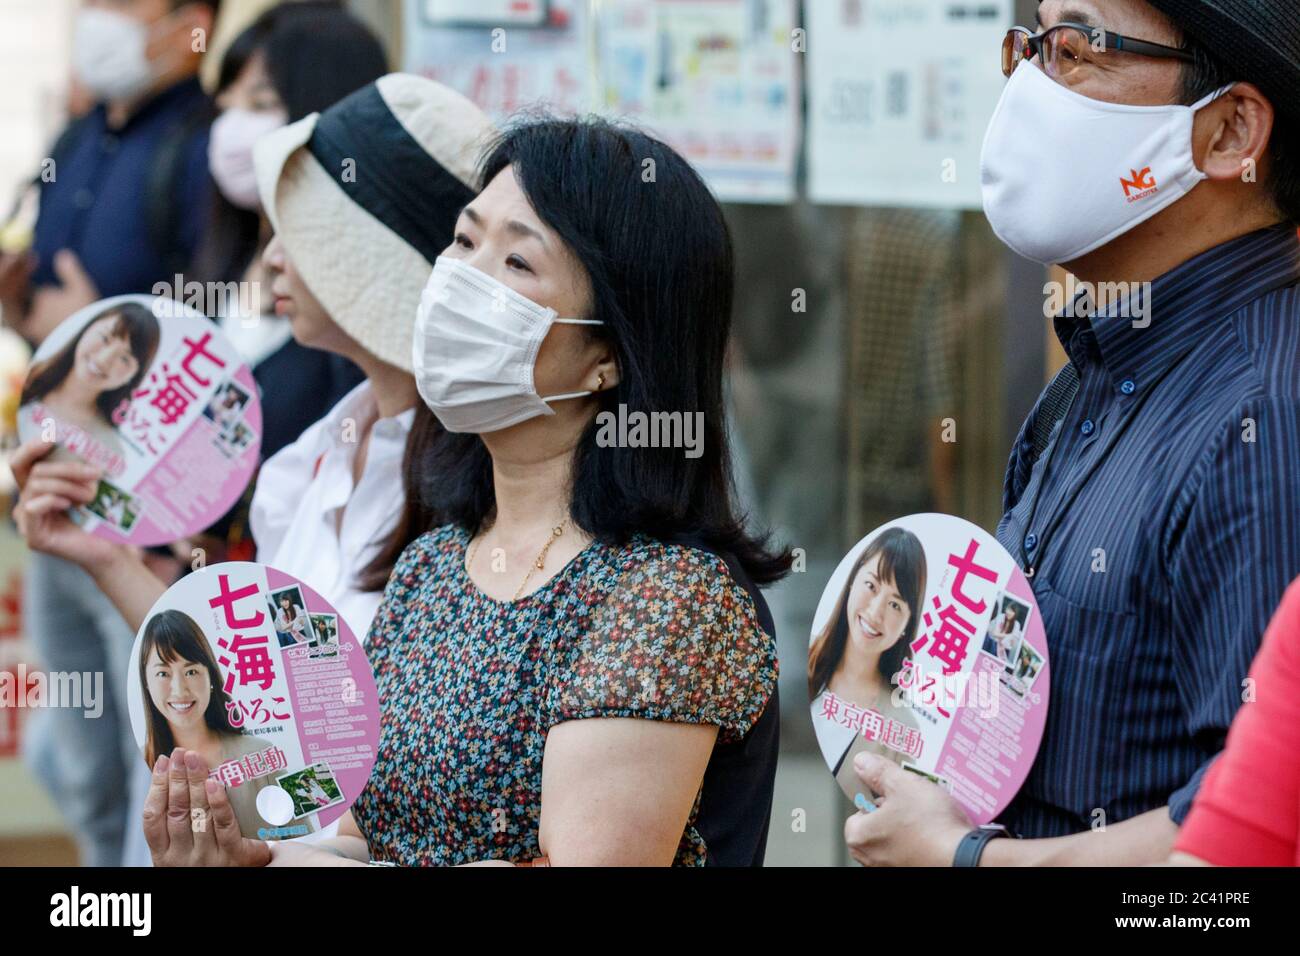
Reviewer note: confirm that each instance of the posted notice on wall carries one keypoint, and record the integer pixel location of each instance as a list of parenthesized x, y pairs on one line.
[(528, 13), (536, 56), (718, 80), (900, 93)]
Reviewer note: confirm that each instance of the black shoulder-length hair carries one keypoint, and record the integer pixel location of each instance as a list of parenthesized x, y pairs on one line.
[(135, 323), (174, 634), (315, 53), (902, 561), (657, 251)]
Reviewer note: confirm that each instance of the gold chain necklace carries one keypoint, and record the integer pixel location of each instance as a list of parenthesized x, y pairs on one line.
[(538, 562)]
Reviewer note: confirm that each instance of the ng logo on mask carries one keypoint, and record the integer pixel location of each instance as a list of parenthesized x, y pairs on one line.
[(1142, 185)]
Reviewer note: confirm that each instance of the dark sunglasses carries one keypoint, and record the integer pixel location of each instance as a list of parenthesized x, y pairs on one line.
[(1062, 49)]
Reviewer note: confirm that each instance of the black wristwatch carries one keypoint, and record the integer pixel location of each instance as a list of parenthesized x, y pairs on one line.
[(971, 847)]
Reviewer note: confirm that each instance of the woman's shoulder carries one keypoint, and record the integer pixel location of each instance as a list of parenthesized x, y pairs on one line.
[(439, 539), (671, 564), (437, 546), (108, 436), (679, 588), (668, 635)]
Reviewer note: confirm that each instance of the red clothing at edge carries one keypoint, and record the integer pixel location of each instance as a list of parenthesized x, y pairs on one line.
[(1247, 812)]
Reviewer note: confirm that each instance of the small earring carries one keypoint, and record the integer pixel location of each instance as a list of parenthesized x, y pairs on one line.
[(600, 381)]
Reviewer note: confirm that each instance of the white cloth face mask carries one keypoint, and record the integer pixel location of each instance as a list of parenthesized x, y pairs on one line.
[(475, 346), (230, 152), (108, 53), (1063, 174)]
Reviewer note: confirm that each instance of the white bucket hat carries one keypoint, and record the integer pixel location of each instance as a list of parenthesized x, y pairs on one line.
[(364, 197)]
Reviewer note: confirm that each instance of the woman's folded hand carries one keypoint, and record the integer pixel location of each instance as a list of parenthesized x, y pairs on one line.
[(179, 836)]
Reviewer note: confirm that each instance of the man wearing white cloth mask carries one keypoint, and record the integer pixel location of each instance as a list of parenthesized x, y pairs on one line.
[(1152, 147), (121, 205)]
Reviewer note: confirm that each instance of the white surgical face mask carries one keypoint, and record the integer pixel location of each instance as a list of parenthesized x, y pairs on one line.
[(230, 151), (1064, 174), (108, 54), (476, 342)]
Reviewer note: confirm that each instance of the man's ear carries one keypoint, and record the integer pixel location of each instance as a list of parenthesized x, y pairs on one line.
[(1232, 134)]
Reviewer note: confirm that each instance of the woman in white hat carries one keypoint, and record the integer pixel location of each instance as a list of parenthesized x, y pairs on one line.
[(576, 666), (354, 244), (362, 197)]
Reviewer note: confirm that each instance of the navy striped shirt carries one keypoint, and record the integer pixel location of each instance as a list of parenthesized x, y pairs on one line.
[(1160, 526)]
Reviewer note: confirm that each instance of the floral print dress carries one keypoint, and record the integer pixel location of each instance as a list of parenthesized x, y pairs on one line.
[(469, 686)]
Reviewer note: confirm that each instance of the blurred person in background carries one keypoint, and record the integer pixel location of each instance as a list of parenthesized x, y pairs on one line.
[(904, 313), (123, 210), (127, 200), (293, 60)]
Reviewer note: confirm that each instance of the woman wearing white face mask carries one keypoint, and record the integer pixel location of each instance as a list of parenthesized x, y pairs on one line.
[(577, 664), (337, 506)]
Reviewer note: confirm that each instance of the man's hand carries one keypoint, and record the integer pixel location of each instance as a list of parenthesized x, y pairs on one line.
[(173, 831), (916, 823), (47, 490), (919, 824), (52, 304)]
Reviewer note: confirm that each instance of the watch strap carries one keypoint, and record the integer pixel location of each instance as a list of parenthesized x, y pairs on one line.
[(971, 847)]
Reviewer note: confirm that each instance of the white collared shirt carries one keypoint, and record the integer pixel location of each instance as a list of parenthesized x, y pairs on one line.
[(309, 521)]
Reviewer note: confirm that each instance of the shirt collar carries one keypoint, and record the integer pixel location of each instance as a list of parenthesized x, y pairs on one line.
[(1182, 307), (359, 405), (177, 96)]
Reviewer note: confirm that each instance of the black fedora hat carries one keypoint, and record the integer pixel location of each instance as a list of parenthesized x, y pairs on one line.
[(1259, 39)]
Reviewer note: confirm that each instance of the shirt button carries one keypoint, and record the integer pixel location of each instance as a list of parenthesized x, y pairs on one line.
[(1031, 541), (1128, 386), (1087, 427), (84, 199)]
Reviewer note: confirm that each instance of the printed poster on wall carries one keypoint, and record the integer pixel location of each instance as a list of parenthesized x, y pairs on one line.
[(529, 13), (717, 80), (504, 65), (900, 93), (928, 649), (262, 676), (153, 394)]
